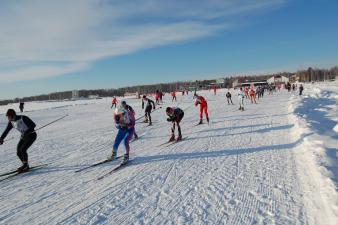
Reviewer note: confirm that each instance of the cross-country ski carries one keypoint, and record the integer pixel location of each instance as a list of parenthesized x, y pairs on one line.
[(10, 175), (96, 164)]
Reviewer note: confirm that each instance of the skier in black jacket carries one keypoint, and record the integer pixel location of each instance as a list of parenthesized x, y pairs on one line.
[(26, 127), (228, 95), (175, 116), (150, 105)]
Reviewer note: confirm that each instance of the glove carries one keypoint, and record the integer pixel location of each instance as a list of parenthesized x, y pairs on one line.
[(169, 119), (1, 141)]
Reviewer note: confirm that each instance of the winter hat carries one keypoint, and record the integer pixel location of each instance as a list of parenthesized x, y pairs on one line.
[(11, 113)]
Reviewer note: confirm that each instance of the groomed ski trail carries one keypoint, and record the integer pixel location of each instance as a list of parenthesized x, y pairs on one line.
[(238, 170)]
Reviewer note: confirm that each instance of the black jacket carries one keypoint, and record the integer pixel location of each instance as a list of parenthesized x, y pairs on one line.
[(177, 116), (23, 124)]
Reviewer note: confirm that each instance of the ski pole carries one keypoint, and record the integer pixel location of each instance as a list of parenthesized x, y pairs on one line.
[(144, 115), (40, 127), (51, 123)]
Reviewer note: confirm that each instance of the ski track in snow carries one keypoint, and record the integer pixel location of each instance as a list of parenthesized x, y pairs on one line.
[(240, 169)]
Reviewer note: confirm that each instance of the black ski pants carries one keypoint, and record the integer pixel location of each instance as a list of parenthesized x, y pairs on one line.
[(147, 113), (23, 146), (178, 120)]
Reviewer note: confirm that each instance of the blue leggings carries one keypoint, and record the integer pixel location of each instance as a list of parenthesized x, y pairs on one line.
[(125, 136)]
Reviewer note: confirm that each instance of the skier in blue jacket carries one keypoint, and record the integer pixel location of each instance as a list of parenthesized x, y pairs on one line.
[(125, 123)]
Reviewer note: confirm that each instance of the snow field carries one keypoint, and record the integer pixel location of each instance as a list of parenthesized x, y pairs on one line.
[(244, 168)]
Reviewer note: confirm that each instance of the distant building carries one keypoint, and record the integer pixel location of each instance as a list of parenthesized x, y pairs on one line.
[(219, 83), (247, 83), (131, 94), (75, 94), (278, 79), (94, 97), (236, 83)]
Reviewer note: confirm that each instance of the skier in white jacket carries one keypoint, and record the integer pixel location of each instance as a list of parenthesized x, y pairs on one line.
[(241, 96)]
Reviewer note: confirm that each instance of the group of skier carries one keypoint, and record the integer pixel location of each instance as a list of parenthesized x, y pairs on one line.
[(124, 118)]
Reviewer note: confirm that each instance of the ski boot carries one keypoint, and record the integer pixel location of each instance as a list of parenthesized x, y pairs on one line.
[(125, 159), (201, 121), (208, 120), (179, 138), (113, 156), (23, 168), (172, 138), (145, 121)]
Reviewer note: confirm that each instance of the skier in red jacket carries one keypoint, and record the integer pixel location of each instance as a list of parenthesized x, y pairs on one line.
[(158, 96), (114, 102), (203, 107), (173, 95)]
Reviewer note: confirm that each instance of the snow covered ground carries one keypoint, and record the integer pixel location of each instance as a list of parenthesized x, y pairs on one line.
[(274, 163)]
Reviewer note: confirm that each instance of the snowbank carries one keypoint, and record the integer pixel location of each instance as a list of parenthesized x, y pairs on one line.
[(315, 118)]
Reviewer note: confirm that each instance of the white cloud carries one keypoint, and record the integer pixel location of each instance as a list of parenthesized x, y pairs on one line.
[(39, 72), (43, 38)]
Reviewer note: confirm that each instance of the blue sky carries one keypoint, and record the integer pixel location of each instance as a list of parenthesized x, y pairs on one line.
[(49, 46)]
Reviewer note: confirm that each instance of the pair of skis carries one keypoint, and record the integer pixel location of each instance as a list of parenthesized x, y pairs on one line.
[(116, 168), (15, 173), (97, 164), (168, 143)]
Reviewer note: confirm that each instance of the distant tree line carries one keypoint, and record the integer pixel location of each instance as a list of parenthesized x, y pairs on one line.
[(308, 75), (311, 74)]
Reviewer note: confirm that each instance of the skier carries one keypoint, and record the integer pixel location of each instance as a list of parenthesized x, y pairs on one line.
[(228, 95), (253, 95), (149, 107), (270, 89), (203, 107), (157, 97), (293, 87), (125, 123), (288, 86), (129, 109), (175, 116), (301, 88), (21, 106), (215, 90), (161, 96), (26, 127), (114, 102), (246, 90), (262, 91), (173, 95), (241, 96), (258, 92)]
